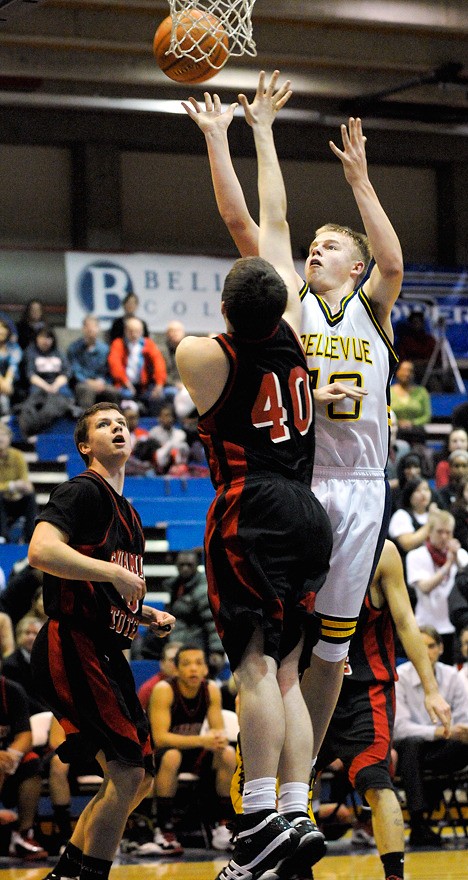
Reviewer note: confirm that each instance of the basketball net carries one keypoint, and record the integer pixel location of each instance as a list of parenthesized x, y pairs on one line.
[(235, 17)]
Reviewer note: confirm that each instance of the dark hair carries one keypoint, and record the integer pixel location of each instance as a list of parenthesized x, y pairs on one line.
[(129, 295), (460, 504), (46, 331), (190, 646), (255, 297), (407, 491), (407, 460), (432, 633), (27, 308), (80, 434)]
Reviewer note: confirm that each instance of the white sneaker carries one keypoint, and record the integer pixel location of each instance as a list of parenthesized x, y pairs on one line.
[(361, 837), (164, 843), (25, 847), (221, 838)]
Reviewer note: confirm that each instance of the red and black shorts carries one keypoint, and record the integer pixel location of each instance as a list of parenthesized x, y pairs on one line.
[(267, 548), (90, 688)]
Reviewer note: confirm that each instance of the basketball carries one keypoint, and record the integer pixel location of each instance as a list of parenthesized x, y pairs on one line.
[(206, 36)]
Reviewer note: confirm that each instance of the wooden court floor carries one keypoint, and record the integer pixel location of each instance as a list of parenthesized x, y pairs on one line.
[(448, 864)]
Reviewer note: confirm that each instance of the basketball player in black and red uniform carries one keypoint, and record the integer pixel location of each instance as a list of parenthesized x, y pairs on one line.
[(361, 728), (89, 544), (267, 539)]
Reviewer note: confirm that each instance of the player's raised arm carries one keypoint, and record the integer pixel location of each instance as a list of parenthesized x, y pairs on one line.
[(214, 123), (384, 283), (274, 237)]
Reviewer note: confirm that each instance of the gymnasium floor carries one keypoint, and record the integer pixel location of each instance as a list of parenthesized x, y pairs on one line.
[(343, 862)]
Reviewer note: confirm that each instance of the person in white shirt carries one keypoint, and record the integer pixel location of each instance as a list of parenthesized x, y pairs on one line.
[(431, 571), (422, 744)]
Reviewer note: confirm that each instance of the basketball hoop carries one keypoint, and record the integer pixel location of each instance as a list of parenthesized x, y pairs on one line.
[(235, 18)]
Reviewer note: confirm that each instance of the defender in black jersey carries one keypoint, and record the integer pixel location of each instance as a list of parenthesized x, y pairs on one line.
[(89, 544), (361, 728), (267, 539)]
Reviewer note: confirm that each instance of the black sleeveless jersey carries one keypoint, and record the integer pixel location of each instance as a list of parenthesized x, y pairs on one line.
[(371, 655), (188, 713), (101, 524), (263, 420)]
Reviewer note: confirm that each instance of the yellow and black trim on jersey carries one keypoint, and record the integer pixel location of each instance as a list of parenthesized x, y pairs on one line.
[(368, 307), (336, 630)]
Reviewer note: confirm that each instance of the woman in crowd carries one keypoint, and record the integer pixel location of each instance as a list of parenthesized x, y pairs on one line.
[(10, 358), (457, 439)]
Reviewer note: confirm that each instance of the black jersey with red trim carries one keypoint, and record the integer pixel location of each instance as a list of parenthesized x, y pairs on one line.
[(263, 420), (371, 655), (188, 713), (100, 524)]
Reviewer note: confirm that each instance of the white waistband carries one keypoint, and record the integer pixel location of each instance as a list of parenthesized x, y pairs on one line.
[(342, 473)]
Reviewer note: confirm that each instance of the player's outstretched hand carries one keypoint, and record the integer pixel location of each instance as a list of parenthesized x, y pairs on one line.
[(353, 154), (268, 100), (212, 117), (338, 391)]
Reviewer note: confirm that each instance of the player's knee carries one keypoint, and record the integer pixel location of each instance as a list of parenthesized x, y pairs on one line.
[(372, 779), (171, 760)]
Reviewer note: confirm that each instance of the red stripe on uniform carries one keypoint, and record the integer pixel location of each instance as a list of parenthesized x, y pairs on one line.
[(57, 668), (382, 735)]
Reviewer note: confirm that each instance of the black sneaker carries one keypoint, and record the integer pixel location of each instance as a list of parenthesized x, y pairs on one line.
[(311, 848), (259, 847)]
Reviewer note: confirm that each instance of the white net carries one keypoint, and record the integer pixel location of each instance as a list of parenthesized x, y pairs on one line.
[(235, 18)]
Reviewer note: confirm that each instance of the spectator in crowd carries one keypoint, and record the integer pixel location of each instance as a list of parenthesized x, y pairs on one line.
[(458, 473), (171, 447), (49, 395), (10, 359), (140, 461), (409, 467), (398, 449), (413, 342), (431, 571), (411, 404), (188, 602), (89, 372), (7, 638), (23, 583), (17, 497), (30, 322), (20, 769), (459, 417), (463, 666), (458, 601), (457, 439), (420, 743), (177, 710), (137, 366), (130, 306), (175, 331), (459, 509), (408, 527), (167, 670), (10, 324), (17, 667)]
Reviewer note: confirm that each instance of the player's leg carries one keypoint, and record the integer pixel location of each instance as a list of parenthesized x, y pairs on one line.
[(321, 685), (389, 830)]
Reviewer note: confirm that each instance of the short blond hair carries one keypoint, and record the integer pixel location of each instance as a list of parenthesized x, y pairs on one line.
[(360, 241), (441, 516)]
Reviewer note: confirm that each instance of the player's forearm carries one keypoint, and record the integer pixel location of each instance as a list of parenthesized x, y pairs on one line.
[(178, 741), (229, 195), (416, 652), (61, 560), (383, 239), (271, 189)]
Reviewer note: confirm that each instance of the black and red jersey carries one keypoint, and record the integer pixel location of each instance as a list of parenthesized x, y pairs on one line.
[(188, 713), (100, 524), (371, 655), (263, 420)]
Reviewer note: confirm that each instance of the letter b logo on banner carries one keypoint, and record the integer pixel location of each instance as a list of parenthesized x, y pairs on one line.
[(102, 286)]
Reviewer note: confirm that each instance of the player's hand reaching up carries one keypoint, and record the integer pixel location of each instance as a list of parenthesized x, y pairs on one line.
[(267, 101), (213, 118), (353, 154)]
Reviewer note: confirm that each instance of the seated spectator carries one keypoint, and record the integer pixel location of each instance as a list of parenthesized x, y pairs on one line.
[(408, 527), (409, 467), (140, 461), (30, 322), (171, 447), (177, 711), (458, 601), (175, 331), (17, 667), (22, 585), (459, 417), (89, 372), (459, 509), (411, 404), (130, 306), (10, 359), (20, 769), (414, 343), (17, 496), (457, 439), (137, 367), (49, 395), (398, 449), (458, 473), (421, 744), (167, 670), (7, 638), (463, 666), (188, 603), (431, 571)]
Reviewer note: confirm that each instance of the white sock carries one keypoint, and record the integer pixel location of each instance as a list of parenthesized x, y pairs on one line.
[(293, 797), (259, 794)]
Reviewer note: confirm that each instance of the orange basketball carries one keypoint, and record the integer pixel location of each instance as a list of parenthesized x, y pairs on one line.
[(205, 32)]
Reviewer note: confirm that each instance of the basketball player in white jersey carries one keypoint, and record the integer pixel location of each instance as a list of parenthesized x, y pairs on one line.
[(347, 336)]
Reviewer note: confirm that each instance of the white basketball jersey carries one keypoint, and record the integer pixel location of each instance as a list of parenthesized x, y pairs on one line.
[(349, 347)]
